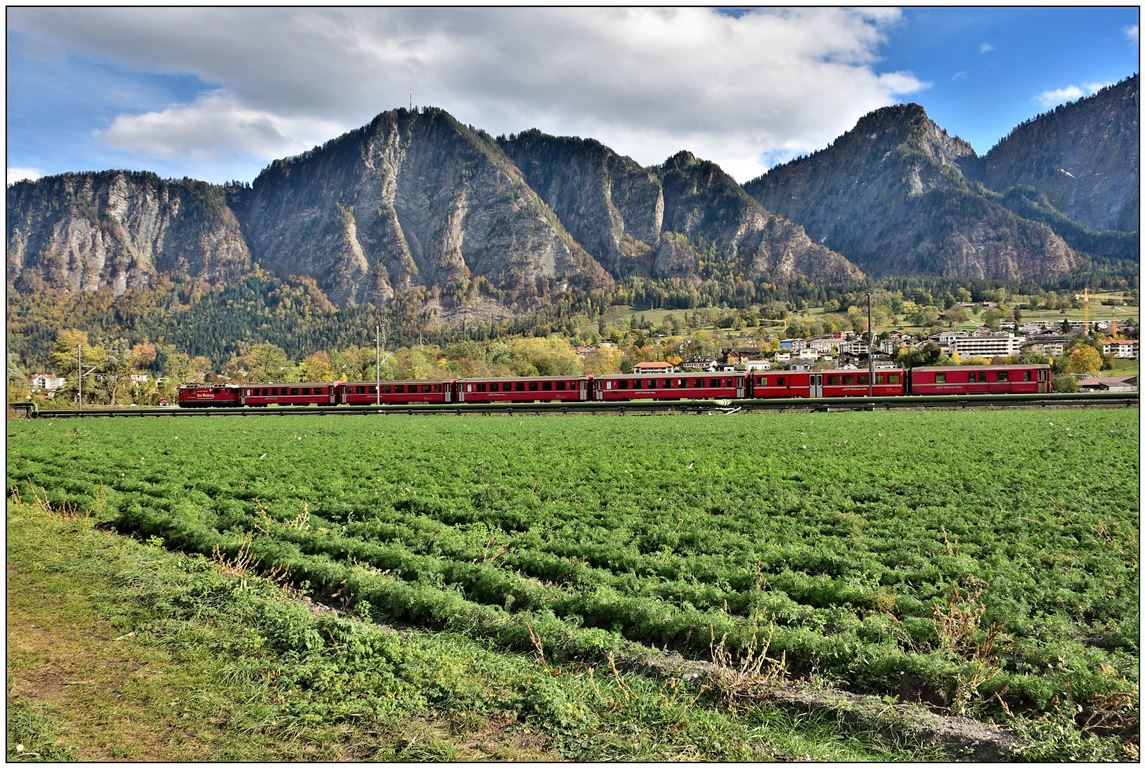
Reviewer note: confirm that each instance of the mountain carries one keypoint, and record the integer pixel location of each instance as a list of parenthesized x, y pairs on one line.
[(708, 207), (418, 211), (412, 199), (678, 220), (1082, 157), (118, 229), (897, 195)]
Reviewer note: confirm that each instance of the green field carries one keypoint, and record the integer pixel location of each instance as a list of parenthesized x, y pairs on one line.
[(984, 562)]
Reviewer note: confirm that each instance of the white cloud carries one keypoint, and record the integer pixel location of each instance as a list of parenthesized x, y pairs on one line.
[(1057, 96), (1131, 33), (215, 127), (960, 75), (985, 48), (645, 81), (23, 174)]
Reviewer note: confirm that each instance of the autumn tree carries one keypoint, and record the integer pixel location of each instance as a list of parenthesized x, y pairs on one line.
[(262, 364), (1083, 359), (65, 357), (117, 370), (317, 367), (602, 360)]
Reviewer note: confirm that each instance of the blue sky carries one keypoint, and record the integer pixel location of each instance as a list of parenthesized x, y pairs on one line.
[(216, 93)]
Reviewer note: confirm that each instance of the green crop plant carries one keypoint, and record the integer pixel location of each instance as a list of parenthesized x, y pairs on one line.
[(983, 561)]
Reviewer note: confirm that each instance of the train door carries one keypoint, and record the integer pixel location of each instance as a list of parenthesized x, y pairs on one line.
[(1043, 380), (448, 389), (739, 386), (816, 382), (583, 393)]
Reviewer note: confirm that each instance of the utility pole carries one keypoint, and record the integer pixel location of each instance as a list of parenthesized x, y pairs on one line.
[(378, 363), (79, 371), (870, 350)]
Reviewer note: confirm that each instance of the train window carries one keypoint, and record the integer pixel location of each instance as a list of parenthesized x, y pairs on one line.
[(834, 381), (608, 384), (468, 387), (893, 378), (559, 386), (1026, 376), (849, 379), (780, 382), (305, 390), (534, 386), (481, 387), (547, 386), (520, 386), (1003, 375), (761, 381), (620, 384), (940, 378), (864, 379)]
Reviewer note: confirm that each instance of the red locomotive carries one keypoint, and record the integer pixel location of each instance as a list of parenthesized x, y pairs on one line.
[(209, 396), (889, 382)]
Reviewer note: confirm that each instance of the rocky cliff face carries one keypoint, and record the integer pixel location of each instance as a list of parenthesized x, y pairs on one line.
[(116, 230), (896, 195), (414, 198), (612, 206), (1084, 158), (667, 221), (707, 206)]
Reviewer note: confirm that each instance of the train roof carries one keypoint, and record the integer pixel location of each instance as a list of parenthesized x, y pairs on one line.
[(660, 374), (570, 377), (373, 382), (1009, 367), (289, 384), (848, 370)]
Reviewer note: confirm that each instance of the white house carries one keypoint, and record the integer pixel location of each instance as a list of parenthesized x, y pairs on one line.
[(1123, 348), (653, 368), (47, 382)]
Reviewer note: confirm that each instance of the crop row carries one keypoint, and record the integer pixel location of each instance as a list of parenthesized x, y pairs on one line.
[(667, 531)]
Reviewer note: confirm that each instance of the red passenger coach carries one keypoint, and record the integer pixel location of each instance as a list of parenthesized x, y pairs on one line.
[(522, 390), (366, 392), (782, 384), (855, 383), (208, 396), (678, 386), (313, 393), (980, 380)]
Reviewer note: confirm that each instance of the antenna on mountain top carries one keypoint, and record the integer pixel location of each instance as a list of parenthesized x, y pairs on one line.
[(411, 97)]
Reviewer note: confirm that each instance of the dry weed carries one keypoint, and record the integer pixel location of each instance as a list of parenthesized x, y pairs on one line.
[(753, 675)]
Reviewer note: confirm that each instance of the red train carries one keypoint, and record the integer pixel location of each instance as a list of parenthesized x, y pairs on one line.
[(934, 380)]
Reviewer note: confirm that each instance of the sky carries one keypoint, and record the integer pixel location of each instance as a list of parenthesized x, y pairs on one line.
[(217, 93)]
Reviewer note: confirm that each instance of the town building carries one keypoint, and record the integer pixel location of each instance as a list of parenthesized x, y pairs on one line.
[(653, 368), (47, 382), (1109, 383), (1123, 348), (993, 345), (699, 364), (1049, 344)]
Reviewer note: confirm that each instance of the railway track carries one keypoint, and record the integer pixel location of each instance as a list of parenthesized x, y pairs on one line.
[(1094, 399)]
